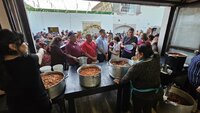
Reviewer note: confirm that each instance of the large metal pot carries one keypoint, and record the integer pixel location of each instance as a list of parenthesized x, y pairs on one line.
[(119, 71), (58, 88), (167, 106), (175, 60), (89, 81)]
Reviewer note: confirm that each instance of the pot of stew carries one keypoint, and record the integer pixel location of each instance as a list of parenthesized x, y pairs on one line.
[(176, 100), (54, 83), (89, 75), (119, 66)]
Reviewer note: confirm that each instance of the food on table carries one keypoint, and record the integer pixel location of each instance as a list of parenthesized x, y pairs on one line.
[(177, 99), (50, 80), (120, 63), (89, 71)]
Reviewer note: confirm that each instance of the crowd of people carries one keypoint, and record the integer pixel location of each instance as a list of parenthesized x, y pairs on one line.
[(65, 48), (20, 74)]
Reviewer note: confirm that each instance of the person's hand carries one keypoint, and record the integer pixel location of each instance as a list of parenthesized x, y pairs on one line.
[(106, 56), (122, 46), (116, 80), (198, 89), (134, 44), (75, 59), (135, 58), (94, 58), (40, 55), (41, 50), (110, 49)]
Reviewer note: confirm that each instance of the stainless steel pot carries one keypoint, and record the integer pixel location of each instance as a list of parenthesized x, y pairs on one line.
[(167, 106), (57, 89), (119, 71), (82, 60), (89, 81)]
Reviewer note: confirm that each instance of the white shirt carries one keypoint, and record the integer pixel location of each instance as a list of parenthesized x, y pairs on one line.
[(116, 47)]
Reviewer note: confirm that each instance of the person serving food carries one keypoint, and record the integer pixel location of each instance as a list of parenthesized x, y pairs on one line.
[(20, 76), (145, 80)]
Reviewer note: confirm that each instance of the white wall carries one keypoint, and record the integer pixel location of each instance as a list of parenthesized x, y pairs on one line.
[(42, 20), (150, 16)]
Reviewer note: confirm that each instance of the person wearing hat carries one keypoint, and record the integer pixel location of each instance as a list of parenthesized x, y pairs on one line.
[(73, 50)]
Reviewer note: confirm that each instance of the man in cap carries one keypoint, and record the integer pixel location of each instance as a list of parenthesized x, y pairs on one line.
[(73, 50)]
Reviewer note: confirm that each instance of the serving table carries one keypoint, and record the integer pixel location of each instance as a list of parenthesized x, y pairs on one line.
[(75, 90)]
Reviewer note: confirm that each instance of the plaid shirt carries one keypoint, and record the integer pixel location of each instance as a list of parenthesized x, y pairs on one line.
[(194, 71)]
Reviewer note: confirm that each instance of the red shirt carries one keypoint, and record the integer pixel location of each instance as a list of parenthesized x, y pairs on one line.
[(89, 48), (74, 50)]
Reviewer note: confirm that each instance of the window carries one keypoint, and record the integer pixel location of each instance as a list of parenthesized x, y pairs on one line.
[(186, 30), (130, 9), (125, 8)]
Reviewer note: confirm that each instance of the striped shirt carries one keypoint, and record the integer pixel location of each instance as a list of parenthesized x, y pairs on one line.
[(194, 71)]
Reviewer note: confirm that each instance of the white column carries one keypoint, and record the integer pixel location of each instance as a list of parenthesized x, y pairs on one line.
[(163, 28)]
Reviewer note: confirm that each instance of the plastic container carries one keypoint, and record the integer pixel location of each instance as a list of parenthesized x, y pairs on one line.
[(58, 67), (44, 69)]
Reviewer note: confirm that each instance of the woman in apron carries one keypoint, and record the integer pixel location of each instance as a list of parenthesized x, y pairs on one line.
[(145, 80)]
